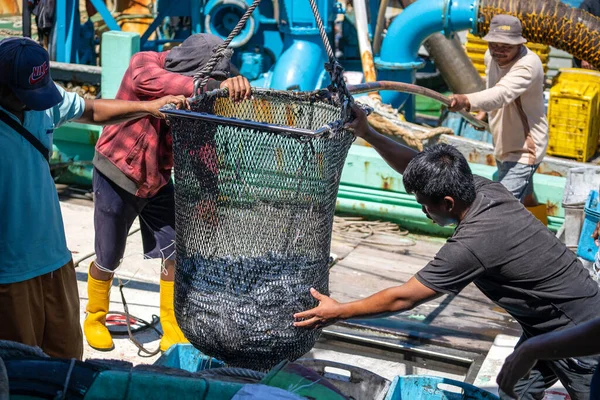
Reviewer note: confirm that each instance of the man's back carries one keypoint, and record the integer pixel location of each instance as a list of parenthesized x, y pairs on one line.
[(516, 262)]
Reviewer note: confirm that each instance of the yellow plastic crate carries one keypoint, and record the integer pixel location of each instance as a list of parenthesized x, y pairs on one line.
[(578, 75), (573, 118)]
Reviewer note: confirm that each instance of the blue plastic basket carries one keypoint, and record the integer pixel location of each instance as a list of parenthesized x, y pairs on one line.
[(422, 387), (462, 128), (187, 358), (587, 249)]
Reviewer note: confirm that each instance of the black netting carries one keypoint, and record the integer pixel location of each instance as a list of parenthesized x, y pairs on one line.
[(254, 216)]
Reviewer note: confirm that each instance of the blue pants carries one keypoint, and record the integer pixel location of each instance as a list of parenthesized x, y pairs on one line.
[(517, 178)]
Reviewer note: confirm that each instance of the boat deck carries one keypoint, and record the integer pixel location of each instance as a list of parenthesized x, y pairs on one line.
[(449, 337)]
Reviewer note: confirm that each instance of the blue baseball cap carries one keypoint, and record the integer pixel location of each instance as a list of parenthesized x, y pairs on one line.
[(25, 69)]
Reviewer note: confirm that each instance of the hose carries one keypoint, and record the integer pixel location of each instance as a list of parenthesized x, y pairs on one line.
[(452, 61), (549, 22), (413, 89)]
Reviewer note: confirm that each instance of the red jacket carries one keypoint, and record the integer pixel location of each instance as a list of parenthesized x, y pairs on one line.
[(143, 149)]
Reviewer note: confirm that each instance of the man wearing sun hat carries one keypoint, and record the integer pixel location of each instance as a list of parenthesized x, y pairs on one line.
[(39, 302), (514, 102)]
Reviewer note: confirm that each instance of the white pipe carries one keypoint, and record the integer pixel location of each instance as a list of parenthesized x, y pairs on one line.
[(364, 44)]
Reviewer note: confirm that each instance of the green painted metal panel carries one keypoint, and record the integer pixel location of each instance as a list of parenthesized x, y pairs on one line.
[(73, 143), (117, 49), (369, 187)]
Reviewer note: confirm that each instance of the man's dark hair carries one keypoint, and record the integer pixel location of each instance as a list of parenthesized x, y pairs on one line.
[(439, 171)]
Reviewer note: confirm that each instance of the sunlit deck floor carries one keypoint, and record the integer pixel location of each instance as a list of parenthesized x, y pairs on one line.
[(450, 336)]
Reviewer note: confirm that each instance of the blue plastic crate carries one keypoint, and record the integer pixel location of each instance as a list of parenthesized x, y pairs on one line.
[(461, 127), (187, 358), (422, 387), (587, 249)]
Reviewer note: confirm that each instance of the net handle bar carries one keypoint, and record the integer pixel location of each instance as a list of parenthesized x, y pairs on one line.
[(244, 123)]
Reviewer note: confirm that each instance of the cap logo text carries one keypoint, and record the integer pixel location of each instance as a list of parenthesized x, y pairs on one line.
[(38, 73)]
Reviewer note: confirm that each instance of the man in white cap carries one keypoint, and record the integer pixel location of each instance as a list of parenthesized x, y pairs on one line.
[(514, 102)]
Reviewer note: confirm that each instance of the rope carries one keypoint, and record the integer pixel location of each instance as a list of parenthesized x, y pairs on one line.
[(413, 139), (201, 77), (234, 372), (4, 388), (336, 71), (128, 316), (322, 31), (63, 394)]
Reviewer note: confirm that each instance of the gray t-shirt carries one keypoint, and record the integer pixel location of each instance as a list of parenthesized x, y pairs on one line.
[(516, 262)]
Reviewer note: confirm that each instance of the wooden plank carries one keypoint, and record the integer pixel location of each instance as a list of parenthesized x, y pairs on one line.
[(469, 321)]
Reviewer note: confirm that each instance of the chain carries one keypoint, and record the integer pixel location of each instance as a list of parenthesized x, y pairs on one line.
[(201, 78)]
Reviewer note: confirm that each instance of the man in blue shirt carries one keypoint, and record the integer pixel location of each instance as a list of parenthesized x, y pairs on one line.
[(39, 302)]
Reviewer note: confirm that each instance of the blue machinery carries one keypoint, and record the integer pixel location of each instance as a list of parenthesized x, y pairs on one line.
[(280, 46)]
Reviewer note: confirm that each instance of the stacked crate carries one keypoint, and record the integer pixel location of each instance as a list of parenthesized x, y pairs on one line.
[(574, 114)]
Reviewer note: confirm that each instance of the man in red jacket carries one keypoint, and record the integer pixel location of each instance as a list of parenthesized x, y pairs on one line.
[(132, 178)]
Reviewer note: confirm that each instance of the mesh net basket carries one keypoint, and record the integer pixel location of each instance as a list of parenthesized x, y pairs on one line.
[(255, 189)]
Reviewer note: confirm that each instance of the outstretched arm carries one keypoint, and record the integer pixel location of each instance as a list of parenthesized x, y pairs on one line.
[(579, 341), (109, 112), (507, 90), (395, 154), (382, 304)]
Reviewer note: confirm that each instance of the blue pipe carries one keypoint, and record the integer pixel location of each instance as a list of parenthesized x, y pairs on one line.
[(399, 58), (301, 65)]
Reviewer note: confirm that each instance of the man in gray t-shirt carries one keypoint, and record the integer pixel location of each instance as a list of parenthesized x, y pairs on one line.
[(498, 245)]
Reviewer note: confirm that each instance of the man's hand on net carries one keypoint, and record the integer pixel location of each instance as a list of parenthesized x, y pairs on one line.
[(155, 105), (359, 124), (326, 313), (239, 88), (459, 102)]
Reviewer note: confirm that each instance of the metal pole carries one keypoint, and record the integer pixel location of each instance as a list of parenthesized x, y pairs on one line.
[(412, 89), (378, 36), (26, 19), (364, 44)]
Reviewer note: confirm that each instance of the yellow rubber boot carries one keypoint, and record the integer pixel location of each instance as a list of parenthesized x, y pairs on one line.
[(540, 212), (94, 325), (171, 332)]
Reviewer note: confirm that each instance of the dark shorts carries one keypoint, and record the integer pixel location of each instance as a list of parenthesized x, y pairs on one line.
[(115, 210), (44, 312)]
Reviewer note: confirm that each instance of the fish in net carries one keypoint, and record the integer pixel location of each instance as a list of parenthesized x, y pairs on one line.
[(255, 190)]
